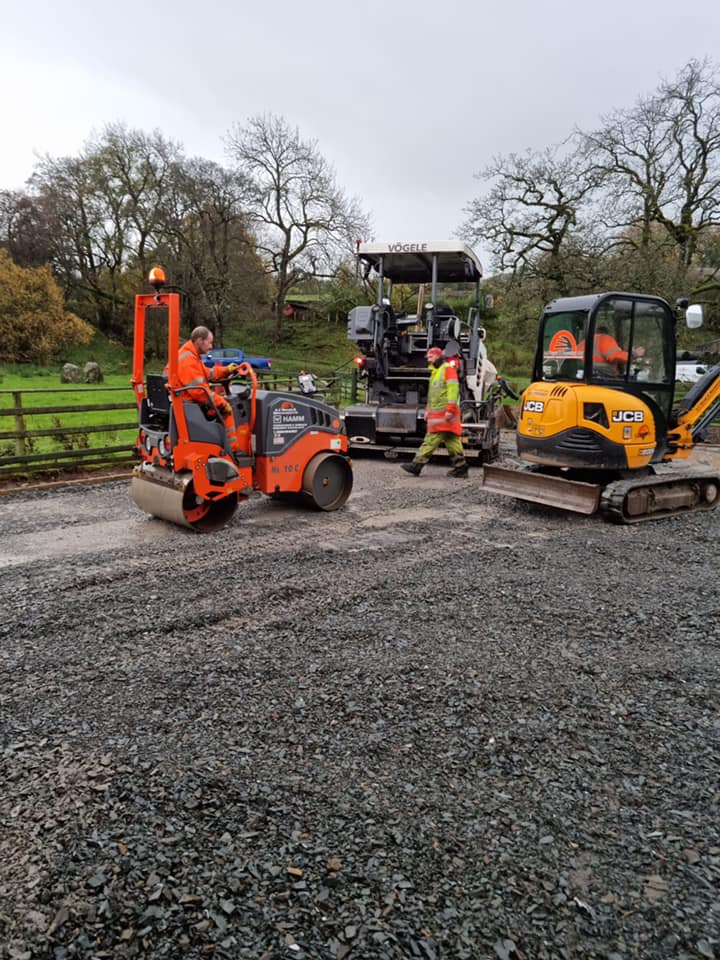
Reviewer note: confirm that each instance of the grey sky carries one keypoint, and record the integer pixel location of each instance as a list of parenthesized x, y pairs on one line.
[(406, 98)]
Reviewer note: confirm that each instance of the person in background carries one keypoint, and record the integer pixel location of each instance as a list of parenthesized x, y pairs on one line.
[(442, 418), (307, 382)]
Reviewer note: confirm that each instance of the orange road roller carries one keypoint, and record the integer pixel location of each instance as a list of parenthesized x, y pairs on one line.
[(285, 445)]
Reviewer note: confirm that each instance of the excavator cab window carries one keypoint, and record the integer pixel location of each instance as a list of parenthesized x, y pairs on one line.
[(632, 341), (561, 335), (633, 347), (652, 330), (612, 330)]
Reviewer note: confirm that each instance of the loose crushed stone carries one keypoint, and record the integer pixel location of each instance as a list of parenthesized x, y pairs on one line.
[(435, 724)]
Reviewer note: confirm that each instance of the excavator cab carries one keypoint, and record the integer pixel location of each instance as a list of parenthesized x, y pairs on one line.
[(617, 340)]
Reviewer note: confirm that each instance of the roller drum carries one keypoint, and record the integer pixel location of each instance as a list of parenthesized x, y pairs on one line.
[(328, 481), (171, 497)]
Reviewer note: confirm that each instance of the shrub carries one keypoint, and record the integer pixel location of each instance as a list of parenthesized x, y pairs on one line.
[(34, 324)]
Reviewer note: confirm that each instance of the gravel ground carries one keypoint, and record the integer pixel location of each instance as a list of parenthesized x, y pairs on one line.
[(436, 724)]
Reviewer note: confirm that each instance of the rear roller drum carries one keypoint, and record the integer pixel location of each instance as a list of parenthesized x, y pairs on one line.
[(328, 481)]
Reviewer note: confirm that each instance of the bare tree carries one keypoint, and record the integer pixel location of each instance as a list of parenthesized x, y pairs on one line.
[(103, 209), (133, 169), (127, 199), (303, 220), (531, 216), (81, 257), (210, 250), (24, 231), (660, 163)]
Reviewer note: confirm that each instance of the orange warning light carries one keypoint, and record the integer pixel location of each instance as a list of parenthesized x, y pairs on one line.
[(156, 277)]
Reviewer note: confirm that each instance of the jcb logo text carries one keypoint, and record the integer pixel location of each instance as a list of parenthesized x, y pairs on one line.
[(534, 406), (628, 416)]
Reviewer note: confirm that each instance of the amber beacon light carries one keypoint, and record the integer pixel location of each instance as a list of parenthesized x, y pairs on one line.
[(156, 278)]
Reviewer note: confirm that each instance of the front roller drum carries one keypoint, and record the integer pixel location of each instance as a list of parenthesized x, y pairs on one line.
[(172, 497), (328, 481)]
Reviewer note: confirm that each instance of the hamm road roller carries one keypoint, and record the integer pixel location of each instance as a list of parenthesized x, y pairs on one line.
[(291, 447)]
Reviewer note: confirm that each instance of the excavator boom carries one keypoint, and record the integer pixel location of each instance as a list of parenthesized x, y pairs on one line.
[(697, 410)]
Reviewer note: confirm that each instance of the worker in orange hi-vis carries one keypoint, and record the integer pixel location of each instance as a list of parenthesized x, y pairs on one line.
[(192, 372), (607, 350)]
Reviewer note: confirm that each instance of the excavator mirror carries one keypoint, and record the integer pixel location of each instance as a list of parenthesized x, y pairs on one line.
[(694, 316)]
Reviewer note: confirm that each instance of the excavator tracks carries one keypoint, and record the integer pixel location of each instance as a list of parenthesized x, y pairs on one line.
[(649, 497), (654, 497)]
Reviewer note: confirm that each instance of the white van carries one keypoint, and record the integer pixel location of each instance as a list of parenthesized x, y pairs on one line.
[(689, 371)]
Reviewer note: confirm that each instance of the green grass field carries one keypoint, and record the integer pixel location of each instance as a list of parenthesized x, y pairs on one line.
[(320, 347), (70, 428), (76, 429)]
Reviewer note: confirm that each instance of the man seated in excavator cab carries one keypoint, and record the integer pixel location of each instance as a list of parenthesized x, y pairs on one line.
[(609, 358), (565, 333), (193, 373)]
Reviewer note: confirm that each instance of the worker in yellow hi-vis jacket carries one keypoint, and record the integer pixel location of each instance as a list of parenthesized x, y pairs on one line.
[(442, 416)]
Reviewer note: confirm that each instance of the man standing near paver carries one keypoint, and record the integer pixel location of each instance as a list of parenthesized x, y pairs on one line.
[(442, 418)]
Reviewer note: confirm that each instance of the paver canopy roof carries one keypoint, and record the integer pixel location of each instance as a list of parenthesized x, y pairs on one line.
[(412, 262)]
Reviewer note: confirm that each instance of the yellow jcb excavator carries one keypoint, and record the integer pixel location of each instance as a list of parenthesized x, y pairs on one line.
[(598, 429)]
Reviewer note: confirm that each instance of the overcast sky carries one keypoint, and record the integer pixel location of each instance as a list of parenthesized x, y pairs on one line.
[(408, 99)]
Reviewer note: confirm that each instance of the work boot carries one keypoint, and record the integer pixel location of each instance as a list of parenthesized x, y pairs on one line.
[(413, 468), (459, 470)]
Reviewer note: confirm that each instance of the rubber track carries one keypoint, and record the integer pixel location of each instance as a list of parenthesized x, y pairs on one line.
[(614, 495)]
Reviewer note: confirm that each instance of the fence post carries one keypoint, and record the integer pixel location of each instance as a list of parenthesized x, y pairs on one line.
[(20, 447), (354, 385)]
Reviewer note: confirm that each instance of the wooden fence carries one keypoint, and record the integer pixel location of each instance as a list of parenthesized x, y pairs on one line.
[(74, 443), (70, 443)]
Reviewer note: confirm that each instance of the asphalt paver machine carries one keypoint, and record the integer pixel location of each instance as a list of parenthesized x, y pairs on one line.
[(391, 346)]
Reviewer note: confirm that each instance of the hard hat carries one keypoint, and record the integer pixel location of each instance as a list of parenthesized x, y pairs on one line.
[(433, 353)]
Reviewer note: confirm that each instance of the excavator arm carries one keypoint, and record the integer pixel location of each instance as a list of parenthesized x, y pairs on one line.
[(694, 414)]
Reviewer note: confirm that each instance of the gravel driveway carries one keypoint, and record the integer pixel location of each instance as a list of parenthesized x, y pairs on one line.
[(435, 724)]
